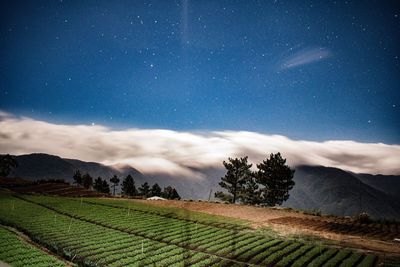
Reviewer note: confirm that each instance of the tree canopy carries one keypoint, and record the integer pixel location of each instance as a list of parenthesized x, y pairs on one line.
[(115, 181), (128, 186), (7, 163), (276, 179), (269, 185), (144, 189), (238, 171), (77, 177)]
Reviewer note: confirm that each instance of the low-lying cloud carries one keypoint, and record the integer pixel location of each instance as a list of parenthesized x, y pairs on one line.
[(179, 153), (306, 56)]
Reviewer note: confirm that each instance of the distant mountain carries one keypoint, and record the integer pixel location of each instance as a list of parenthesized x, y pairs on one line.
[(338, 192), (44, 166), (330, 190)]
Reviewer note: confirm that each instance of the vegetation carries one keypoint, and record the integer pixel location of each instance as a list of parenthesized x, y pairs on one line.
[(101, 186), (16, 252), (128, 186), (87, 181), (104, 232), (170, 193), (268, 186), (144, 190), (77, 178), (156, 190), (115, 181), (7, 163), (276, 178), (238, 171)]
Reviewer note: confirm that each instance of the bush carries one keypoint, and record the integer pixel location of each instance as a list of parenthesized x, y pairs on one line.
[(362, 218)]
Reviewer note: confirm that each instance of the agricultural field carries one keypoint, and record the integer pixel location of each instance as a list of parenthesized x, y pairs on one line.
[(380, 230), (107, 232), (17, 252)]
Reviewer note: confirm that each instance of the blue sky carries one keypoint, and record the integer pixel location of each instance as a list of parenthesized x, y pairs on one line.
[(314, 70)]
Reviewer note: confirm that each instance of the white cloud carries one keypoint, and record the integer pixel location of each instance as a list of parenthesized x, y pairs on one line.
[(306, 56), (173, 152)]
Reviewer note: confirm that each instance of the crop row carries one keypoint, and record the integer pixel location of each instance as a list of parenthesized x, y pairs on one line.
[(174, 213), (93, 245), (220, 242), (16, 252)]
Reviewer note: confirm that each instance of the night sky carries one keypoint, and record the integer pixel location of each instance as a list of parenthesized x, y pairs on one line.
[(313, 70)]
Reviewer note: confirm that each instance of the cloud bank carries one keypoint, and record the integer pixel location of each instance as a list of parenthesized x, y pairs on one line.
[(306, 56), (179, 153)]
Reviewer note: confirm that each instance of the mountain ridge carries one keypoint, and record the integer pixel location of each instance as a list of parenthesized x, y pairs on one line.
[(327, 189)]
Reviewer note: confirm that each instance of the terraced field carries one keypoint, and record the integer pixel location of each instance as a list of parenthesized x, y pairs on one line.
[(16, 252), (97, 232), (381, 231)]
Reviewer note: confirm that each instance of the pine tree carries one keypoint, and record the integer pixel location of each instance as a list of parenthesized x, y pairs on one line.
[(7, 162), (250, 193), (238, 171), (98, 184), (276, 179), (155, 190), (175, 194), (77, 177), (128, 186), (105, 187), (144, 190), (115, 181), (87, 181)]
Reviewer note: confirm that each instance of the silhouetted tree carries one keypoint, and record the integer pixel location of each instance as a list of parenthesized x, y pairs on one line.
[(170, 193), (175, 194), (98, 184), (105, 187), (276, 178), (144, 190), (7, 162), (238, 171), (128, 186), (87, 181), (115, 181), (155, 190), (250, 194), (78, 177)]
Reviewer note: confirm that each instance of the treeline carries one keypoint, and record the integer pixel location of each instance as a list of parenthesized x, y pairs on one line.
[(268, 186), (128, 186)]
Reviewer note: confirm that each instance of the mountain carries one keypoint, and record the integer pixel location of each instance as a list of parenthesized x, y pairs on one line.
[(43, 166), (338, 192), (330, 190)]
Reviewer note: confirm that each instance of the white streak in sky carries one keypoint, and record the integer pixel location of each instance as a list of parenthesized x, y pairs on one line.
[(306, 56), (175, 152)]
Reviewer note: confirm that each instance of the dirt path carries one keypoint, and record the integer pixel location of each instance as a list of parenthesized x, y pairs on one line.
[(269, 217)]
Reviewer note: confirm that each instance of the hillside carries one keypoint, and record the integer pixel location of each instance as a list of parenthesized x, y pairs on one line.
[(330, 190), (334, 191)]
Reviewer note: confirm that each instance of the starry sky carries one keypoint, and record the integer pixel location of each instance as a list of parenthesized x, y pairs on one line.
[(311, 70)]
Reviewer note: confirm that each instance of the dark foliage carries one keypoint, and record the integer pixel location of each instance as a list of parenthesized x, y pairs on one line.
[(77, 178), (144, 189), (128, 186), (7, 162), (87, 181), (276, 178), (155, 190), (170, 193), (238, 172), (115, 181)]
